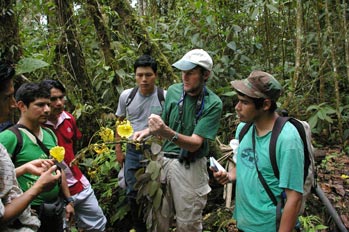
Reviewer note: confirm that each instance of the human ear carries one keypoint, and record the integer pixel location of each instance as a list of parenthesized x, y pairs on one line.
[(266, 104)]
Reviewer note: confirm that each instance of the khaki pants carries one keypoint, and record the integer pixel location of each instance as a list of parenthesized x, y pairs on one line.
[(186, 194)]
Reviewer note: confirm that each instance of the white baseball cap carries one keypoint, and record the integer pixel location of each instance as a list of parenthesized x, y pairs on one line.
[(193, 58)]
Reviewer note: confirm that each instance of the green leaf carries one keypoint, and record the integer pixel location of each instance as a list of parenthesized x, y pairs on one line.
[(153, 186), (229, 94), (27, 65), (232, 45), (157, 199), (272, 8)]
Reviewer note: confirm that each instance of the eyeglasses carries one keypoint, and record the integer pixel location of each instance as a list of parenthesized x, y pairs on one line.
[(53, 99)]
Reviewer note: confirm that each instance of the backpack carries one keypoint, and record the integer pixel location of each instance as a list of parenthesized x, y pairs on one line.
[(134, 91), (19, 145), (304, 131)]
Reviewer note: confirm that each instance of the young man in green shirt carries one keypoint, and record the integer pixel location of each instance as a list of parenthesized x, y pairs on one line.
[(33, 100), (254, 209)]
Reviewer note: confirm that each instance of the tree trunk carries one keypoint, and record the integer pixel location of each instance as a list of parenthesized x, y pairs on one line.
[(72, 55), (335, 72), (346, 38), (141, 36), (10, 43), (322, 62), (104, 40), (298, 55)]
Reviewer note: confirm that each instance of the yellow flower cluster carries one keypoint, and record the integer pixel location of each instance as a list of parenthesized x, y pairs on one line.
[(57, 153), (106, 134), (100, 148), (124, 128)]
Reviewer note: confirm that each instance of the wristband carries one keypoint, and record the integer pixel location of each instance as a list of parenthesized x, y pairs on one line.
[(174, 138), (69, 200)]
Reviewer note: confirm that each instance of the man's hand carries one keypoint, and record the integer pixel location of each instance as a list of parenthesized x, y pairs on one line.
[(139, 135), (69, 212), (48, 179), (35, 167), (222, 177), (156, 125)]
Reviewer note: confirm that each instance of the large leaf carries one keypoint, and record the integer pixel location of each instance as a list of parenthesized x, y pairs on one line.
[(27, 65)]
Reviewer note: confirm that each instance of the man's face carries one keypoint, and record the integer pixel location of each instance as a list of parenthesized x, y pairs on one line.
[(145, 78), (57, 99), (7, 101), (37, 111), (246, 109), (193, 81)]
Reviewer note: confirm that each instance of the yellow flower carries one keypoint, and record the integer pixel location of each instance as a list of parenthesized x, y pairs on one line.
[(100, 148), (124, 129), (343, 176), (58, 153), (106, 134)]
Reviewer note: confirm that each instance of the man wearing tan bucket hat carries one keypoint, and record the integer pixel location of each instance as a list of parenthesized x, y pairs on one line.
[(254, 210)]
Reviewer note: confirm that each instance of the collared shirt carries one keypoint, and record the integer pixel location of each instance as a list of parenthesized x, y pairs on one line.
[(67, 133)]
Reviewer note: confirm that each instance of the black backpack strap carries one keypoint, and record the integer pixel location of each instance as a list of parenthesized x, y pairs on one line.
[(279, 124), (244, 130), (301, 131), (161, 96), (131, 96), (19, 144)]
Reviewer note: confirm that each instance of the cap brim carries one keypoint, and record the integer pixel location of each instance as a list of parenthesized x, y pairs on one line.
[(240, 86), (184, 65)]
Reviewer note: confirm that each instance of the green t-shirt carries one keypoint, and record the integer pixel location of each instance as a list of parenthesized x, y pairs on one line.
[(207, 124), (254, 210), (30, 151)]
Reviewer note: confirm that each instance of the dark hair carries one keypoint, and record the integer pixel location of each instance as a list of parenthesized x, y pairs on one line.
[(258, 102), (29, 92), (145, 61), (53, 84), (6, 74)]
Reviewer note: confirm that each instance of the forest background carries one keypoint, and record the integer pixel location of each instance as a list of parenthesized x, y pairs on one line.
[(90, 46)]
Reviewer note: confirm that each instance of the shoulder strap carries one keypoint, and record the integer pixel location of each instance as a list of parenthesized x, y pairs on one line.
[(244, 130), (42, 146), (279, 123), (131, 96), (19, 144), (161, 96)]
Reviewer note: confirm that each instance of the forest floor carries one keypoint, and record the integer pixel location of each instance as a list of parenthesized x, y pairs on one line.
[(333, 178)]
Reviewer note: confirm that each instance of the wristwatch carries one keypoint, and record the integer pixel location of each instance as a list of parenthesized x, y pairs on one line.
[(69, 200), (174, 138)]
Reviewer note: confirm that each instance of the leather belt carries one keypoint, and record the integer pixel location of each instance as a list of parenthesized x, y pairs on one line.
[(172, 155)]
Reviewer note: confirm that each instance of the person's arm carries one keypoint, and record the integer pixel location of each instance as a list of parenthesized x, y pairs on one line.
[(45, 182), (291, 210), (69, 209), (223, 177), (120, 157), (35, 167)]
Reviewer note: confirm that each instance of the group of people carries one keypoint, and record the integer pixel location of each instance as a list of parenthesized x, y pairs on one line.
[(190, 118), (29, 176), (186, 120)]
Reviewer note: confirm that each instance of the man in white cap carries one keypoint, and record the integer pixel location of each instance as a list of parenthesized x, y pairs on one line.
[(190, 118)]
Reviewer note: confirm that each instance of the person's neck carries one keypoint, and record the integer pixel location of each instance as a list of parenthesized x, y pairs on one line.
[(53, 118), (147, 92), (34, 127), (265, 123)]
